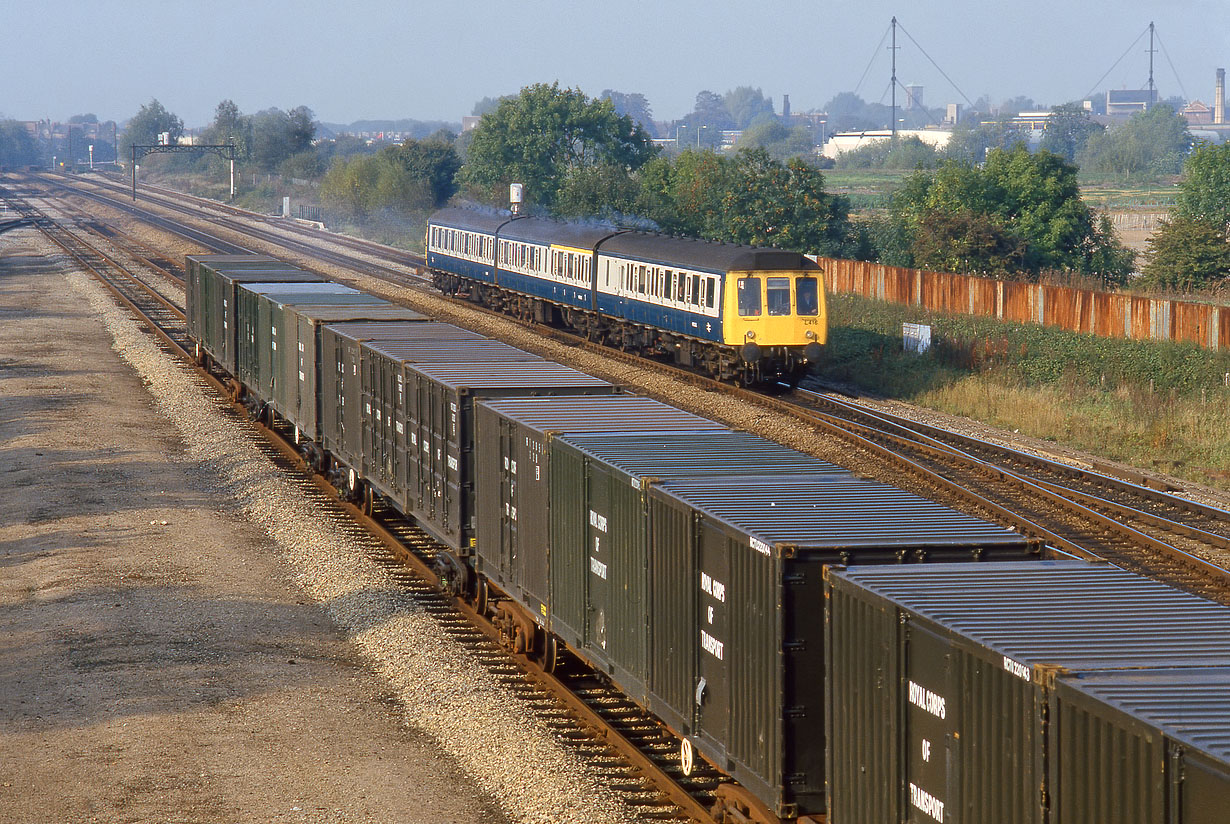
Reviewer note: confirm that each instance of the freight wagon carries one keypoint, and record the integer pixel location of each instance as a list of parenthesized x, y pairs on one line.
[(955, 693)]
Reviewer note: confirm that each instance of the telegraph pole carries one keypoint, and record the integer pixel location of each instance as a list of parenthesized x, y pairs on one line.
[(893, 49), (1152, 93)]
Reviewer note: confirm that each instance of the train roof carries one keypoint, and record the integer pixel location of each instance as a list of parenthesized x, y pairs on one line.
[(687, 253), (544, 230), (704, 254), (472, 219)]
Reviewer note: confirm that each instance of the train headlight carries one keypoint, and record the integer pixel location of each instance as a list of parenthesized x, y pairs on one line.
[(810, 334), (749, 335)]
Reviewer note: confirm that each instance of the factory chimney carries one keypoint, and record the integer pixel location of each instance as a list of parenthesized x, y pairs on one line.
[(785, 107), (1219, 98)]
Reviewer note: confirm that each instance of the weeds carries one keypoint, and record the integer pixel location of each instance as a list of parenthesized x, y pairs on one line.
[(1155, 405)]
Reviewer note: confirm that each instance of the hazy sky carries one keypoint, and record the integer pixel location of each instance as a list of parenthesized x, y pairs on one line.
[(353, 59)]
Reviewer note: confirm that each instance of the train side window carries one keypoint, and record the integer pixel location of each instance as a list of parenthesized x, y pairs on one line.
[(807, 296), (749, 298), (695, 281), (777, 295)]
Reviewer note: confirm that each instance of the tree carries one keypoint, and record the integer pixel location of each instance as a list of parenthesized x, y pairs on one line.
[(1068, 130), (231, 126), (783, 205), (145, 126), (902, 153), (780, 142), (744, 104), (434, 162), (850, 113), (17, 147), (1188, 253), (276, 135), (489, 104), (1151, 143), (599, 190), (634, 105), (1204, 192), (967, 241), (971, 143), (350, 185), (83, 118), (1018, 104), (1019, 211), (542, 134)]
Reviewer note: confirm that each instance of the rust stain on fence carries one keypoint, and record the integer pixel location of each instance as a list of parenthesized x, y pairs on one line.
[(1079, 310)]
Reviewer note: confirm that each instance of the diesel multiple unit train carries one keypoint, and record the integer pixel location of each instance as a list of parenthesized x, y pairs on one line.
[(743, 312), (838, 647)]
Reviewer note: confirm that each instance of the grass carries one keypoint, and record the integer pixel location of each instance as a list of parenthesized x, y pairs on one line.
[(1158, 406)]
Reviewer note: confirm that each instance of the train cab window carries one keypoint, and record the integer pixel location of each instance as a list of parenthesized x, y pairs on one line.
[(749, 296), (807, 296), (777, 295)]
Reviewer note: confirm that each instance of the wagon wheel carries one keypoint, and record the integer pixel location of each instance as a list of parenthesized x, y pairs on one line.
[(550, 653), (482, 595)]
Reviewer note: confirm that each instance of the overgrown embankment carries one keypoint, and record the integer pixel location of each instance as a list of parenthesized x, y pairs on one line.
[(1159, 406)]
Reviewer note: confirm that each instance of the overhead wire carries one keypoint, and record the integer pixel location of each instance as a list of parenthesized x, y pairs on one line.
[(1166, 54), (936, 65), (1089, 93), (874, 52)]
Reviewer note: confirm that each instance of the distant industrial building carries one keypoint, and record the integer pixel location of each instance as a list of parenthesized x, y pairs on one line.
[(913, 97), (1127, 102), (849, 141)]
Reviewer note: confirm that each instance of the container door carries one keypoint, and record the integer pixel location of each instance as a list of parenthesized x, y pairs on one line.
[(597, 535), (1205, 792), (400, 436), (930, 708), (531, 511), (712, 635), (304, 385), (508, 499)]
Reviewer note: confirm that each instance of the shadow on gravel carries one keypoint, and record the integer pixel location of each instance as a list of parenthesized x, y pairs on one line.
[(22, 415), (20, 551), (140, 648), (43, 486)]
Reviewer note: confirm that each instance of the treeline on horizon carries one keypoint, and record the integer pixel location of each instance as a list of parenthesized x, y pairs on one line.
[(984, 204)]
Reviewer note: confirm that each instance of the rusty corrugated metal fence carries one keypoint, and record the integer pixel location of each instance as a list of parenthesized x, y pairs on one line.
[(1107, 314)]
